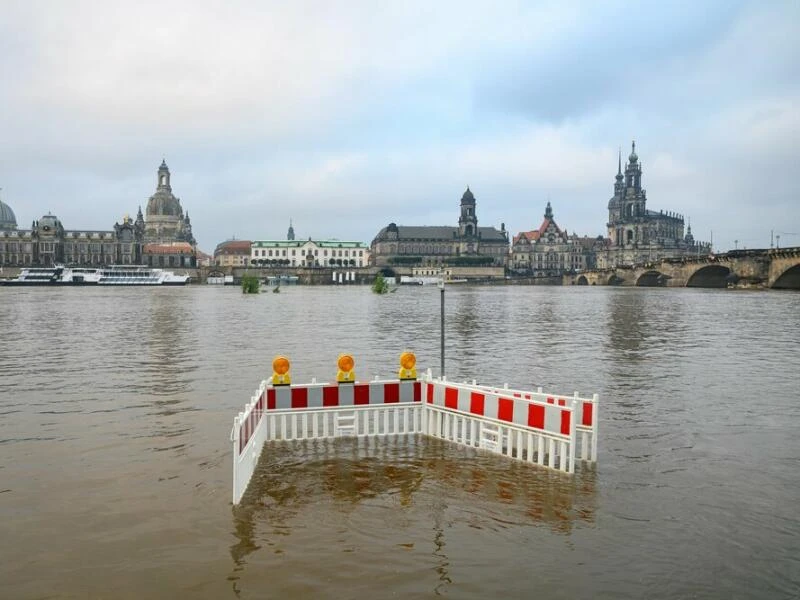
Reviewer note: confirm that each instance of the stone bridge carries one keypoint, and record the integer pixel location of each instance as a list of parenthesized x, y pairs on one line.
[(773, 268)]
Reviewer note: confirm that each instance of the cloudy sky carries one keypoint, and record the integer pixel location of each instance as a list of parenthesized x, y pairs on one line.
[(345, 116)]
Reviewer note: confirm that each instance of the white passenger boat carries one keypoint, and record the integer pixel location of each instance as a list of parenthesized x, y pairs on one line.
[(109, 275)]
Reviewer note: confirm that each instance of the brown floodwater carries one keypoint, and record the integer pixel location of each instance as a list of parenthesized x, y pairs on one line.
[(115, 467)]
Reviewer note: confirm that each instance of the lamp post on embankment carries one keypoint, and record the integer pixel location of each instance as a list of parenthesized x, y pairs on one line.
[(441, 290)]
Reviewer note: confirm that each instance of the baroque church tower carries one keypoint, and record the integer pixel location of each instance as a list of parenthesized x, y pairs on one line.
[(627, 209), (637, 235), (468, 221), (164, 218)]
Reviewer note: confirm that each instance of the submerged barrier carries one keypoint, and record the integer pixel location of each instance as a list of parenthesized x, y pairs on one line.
[(535, 427)]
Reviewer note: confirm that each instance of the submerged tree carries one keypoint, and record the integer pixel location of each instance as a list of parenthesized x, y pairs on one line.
[(380, 286), (250, 284)]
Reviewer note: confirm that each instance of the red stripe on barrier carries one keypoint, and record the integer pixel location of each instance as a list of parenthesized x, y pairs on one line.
[(361, 394), (505, 409), (429, 393), (261, 401), (476, 401), (551, 400), (536, 416), (271, 399), (451, 398), (517, 395), (330, 396), (417, 391), (299, 397), (562, 402), (565, 418), (587, 414), (391, 393)]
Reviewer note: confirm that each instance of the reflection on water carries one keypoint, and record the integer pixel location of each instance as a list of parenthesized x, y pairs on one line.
[(427, 484)]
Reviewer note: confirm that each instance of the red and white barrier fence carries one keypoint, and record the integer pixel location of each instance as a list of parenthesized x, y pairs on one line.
[(314, 411), (530, 426), (587, 414)]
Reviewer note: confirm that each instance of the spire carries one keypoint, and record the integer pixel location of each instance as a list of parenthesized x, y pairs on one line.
[(163, 176), (290, 233), (548, 212), (633, 158)]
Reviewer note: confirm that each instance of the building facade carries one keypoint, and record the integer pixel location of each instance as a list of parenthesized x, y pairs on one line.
[(309, 253), (637, 235), (232, 253), (438, 246), (47, 243), (164, 238), (550, 251)]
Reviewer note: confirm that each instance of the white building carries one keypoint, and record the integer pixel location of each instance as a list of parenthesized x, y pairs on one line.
[(309, 253)]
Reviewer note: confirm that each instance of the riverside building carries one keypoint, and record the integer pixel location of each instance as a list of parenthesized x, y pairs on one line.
[(308, 253), (637, 235), (47, 242), (466, 245), (232, 253), (550, 251), (163, 238)]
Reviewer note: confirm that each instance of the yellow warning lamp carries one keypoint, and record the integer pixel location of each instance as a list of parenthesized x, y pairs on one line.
[(280, 368), (346, 364), (408, 363)]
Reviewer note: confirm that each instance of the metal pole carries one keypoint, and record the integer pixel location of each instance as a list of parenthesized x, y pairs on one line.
[(441, 289)]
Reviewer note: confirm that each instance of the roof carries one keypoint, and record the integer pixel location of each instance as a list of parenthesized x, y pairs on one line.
[(439, 232), (173, 248), (7, 217), (534, 235), (233, 247), (301, 243)]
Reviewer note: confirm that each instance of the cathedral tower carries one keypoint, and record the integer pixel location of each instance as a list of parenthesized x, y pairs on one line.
[(468, 221)]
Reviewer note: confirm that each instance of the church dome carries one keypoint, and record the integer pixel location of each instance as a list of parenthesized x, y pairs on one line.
[(164, 203), (48, 223), (7, 218), (467, 198)]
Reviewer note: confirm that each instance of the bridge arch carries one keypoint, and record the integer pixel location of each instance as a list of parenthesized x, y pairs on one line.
[(651, 279), (582, 280), (710, 276), (614, 280), (789, 279)]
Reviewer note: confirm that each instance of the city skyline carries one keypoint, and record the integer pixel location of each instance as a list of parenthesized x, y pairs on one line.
[(347, 118)]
